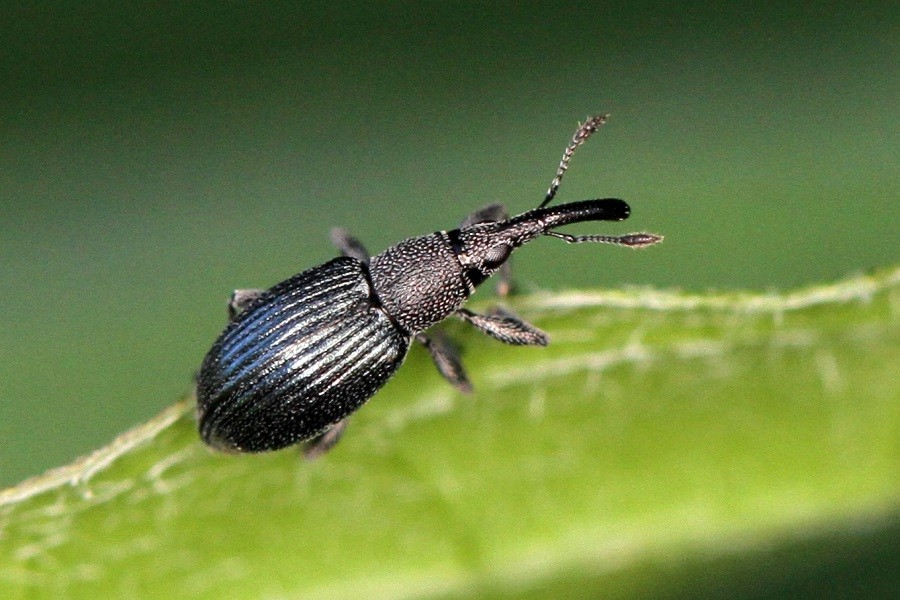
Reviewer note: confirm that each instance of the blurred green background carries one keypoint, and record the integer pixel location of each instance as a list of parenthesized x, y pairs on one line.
[(155, 157)]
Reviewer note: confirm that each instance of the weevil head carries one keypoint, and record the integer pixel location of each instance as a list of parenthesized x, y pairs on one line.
[(483, 248)]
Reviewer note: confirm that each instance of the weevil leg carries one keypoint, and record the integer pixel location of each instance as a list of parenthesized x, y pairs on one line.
[(491, 214), (348, 245), (504, 280), (446, 358), (506, 327), (325, 441), (240, 299), (486, 214)]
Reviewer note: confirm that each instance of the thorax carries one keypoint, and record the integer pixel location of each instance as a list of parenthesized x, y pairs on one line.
[(419, 281)]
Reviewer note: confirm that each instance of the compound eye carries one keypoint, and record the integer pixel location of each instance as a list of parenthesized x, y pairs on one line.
[(496, 256)]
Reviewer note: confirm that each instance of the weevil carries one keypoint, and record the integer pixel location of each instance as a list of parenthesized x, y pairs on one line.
[(297, 359)]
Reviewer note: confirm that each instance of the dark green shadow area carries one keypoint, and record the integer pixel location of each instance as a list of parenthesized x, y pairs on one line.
[(849, 564)]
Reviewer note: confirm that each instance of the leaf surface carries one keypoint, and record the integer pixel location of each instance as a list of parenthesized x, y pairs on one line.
[(663, 445)]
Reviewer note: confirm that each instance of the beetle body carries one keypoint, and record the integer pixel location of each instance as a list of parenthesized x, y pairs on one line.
[(299, 358)]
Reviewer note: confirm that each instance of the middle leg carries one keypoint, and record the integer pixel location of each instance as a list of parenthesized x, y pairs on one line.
[(446, 359), (348, 245)]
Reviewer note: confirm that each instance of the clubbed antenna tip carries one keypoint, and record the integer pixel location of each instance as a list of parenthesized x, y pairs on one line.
[(639, 240)]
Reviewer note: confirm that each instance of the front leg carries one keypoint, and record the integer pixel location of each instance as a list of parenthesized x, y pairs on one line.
[(241, 299), (506, 327), (486, 214), (493, 213)]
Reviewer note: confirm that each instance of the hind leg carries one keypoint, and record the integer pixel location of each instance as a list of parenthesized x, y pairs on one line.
[(325, 441), (241, 299)]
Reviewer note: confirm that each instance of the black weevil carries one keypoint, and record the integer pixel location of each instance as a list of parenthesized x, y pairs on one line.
[(299, 358)]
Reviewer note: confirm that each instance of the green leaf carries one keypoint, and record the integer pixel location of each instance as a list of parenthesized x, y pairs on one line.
[(663, 445)]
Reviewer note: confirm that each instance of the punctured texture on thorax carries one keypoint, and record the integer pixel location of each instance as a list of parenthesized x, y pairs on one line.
[(419, 281)]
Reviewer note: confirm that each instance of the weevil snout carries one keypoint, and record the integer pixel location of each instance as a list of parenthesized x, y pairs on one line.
[(484, 247)]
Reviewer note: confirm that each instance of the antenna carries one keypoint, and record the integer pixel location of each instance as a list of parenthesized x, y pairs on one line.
[(581, 135)]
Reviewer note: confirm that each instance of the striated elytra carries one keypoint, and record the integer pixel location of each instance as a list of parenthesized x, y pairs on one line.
[(299, 358)]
